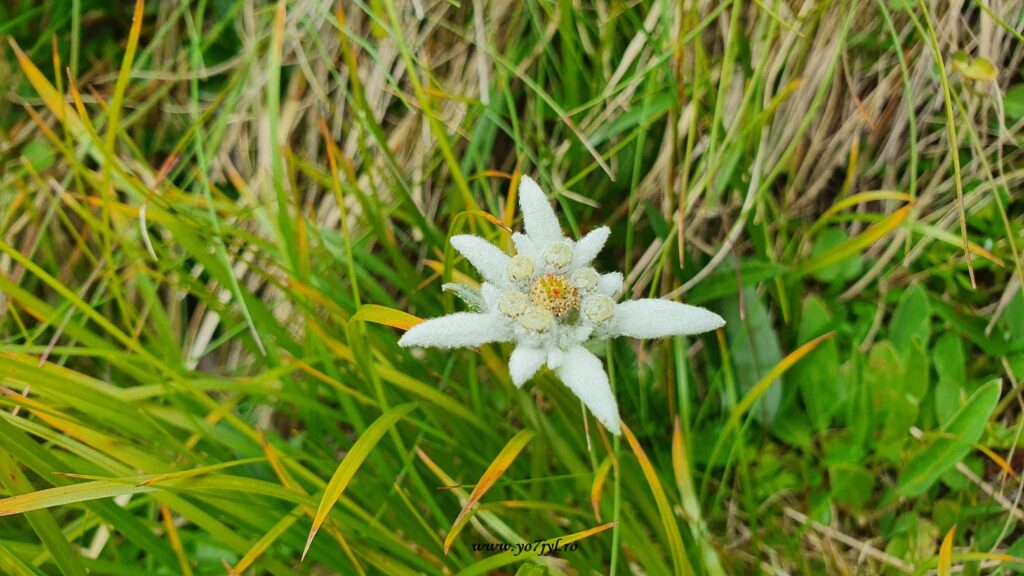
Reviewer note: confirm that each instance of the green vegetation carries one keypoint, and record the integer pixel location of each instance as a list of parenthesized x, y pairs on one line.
[(216, 219)]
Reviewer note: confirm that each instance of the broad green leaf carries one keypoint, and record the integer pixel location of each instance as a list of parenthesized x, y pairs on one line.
[(901, 415), (1013, 103), (755, 350), (851, 484), (772, 376), (977, 69), (791, 423), (817, 376), (954, 442), (948, 357), (1011, 321), (912, 318), (1016, 366), (39, 154), (917, 372), (893, 407), (1017, 549), (883, 380), (828, 239)]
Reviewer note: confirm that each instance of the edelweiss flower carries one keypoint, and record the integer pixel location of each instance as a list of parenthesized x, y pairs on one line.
[(550, 301)]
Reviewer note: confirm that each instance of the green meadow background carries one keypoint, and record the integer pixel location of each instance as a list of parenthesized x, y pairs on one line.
[(217, 217)]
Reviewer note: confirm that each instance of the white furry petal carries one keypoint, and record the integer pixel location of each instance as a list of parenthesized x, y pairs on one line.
[(610, 283), (487, 258), (524, 363), (539, 218), (490, 293), (588, 247), (525, 246), (555, 357), (657, 318), (459, 329), (583, 373)]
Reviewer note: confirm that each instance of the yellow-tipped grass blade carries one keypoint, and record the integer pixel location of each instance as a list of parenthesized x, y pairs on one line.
[(50, 96), (859, 198), (288, 481), (175, 540), (486, 216), (598, 486), (855, 245), (268, 539), (350, 465), (387, 316), (668, 519), (124, 75), (497, 468), (946, 553), (952, 240), (760, 388), (774, 374), (74, 493)]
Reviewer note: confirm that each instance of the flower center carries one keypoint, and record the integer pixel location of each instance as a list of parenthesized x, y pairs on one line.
[(555, 294)]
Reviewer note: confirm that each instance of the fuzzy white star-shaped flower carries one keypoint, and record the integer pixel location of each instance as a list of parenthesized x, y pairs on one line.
[(550, 301)]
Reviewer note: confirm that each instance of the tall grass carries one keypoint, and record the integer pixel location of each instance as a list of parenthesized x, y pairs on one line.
[(217, 217)]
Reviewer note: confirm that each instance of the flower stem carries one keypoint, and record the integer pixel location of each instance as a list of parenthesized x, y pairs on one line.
[(617, 496)]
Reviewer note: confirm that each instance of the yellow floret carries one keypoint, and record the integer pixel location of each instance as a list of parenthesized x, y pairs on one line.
[(555, 294)]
